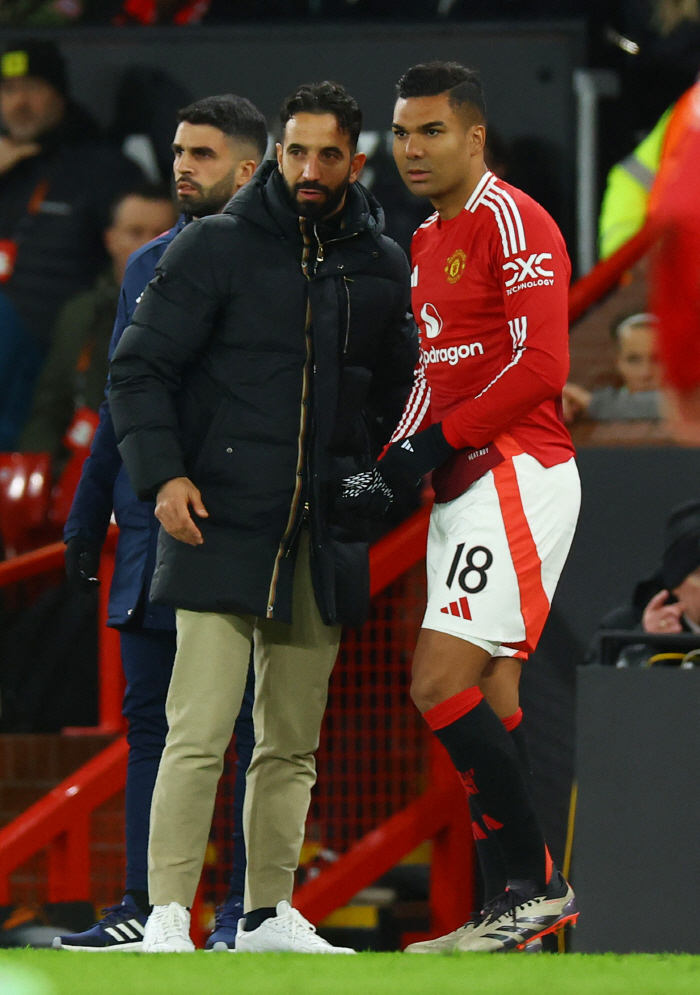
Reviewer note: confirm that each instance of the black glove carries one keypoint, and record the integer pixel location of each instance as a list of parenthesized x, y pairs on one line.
[(82, 561), (402, 467)]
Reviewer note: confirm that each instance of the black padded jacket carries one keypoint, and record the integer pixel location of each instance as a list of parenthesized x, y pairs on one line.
[(260, 362)]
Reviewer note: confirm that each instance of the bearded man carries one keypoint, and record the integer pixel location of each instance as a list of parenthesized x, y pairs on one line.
[(271, 355)]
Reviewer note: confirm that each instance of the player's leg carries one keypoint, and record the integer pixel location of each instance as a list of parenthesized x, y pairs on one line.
[(539, 508), (206, 690), (488, 588), (447, 672), (292, 668)]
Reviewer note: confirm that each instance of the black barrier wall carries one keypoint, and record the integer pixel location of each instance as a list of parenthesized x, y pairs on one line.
[(627, 495), (636, 866)]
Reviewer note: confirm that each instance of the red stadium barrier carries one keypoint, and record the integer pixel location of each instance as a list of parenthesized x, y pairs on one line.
[(606, 274), (384, 785)]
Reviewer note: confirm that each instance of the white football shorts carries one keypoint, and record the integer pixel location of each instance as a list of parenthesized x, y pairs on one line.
[(495, 554)]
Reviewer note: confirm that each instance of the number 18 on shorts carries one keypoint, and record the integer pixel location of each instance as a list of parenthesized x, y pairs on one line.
[(495, 554)]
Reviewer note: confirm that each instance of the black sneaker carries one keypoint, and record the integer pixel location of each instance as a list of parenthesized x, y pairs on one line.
[(514, 919), (121, 929)]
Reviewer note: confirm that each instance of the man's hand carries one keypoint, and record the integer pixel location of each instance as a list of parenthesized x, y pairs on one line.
[(13, 152), (403, 465), (662, 618), (82, 562), (173, 510), (575, 401)]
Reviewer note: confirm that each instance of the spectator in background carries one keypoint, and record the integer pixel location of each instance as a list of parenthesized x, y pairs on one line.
[(639, 396), (76, 368), (668, 602), (58, 181)]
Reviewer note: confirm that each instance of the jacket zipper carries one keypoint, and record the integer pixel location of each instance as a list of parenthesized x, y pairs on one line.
[(287, 541), (285, 545)]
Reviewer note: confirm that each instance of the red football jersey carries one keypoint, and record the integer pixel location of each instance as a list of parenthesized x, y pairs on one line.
[(490, 296)]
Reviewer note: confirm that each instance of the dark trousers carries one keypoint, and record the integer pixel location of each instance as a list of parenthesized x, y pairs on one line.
[(147, 658)]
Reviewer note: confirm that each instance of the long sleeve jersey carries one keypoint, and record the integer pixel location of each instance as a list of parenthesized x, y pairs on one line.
[(490, 296)]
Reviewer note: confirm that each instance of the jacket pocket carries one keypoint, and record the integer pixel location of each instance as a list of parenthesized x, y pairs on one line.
[(202, 458), (351, 560)]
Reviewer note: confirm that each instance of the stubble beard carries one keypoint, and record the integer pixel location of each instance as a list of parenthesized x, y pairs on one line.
[(212, 200)]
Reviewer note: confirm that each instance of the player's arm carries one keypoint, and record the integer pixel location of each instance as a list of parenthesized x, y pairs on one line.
[(535, 371), (535, 285)]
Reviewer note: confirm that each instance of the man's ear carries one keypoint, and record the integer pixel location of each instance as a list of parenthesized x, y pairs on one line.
[(477, 139), (244, 171), (357, 165), (279, 150)]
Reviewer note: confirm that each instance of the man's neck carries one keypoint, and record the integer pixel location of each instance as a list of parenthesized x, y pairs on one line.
[(452, 203)]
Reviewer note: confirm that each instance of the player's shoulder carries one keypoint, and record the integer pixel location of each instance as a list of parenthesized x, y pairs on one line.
[(515, 220)]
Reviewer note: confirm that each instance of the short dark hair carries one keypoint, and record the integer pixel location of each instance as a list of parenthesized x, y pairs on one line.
[(145, 190), (428, 79), (325, 98), (236, 116)]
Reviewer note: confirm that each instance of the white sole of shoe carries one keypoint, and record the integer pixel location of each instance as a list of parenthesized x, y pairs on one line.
[(167, 950), (221, 948), (126, 948)]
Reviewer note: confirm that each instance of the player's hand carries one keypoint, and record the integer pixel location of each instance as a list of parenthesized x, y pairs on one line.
[(366, 494), (662, 618), (13, 152), (402, 467), (173, 510), (575, 401)]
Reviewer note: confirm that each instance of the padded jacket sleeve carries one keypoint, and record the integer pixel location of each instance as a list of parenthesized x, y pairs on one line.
[(392, 377), (170, 327)]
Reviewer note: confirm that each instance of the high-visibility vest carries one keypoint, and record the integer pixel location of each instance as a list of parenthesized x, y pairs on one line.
[(626, 200)]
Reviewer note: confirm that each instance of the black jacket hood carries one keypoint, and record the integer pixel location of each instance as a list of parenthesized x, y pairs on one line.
[(264, 202)]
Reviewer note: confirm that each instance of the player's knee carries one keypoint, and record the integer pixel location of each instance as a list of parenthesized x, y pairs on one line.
[(428, 690)]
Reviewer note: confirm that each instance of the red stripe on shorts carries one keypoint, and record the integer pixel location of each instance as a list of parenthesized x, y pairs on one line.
[(534, 604)]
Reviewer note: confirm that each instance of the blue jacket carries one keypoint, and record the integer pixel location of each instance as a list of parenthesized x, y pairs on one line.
[(104, 484)]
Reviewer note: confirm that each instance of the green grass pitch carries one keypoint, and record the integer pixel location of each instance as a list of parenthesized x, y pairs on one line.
[(48, 972)]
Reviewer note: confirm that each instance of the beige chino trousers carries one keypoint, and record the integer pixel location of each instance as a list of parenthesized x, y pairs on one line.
[(292, 668)]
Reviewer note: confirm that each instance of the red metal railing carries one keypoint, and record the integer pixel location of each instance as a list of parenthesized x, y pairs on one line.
[(60, 822)]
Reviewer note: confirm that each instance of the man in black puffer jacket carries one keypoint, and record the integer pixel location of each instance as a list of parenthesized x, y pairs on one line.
[(268, 359)]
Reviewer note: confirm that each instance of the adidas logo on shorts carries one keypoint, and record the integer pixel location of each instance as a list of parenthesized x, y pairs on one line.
[(459, 608)]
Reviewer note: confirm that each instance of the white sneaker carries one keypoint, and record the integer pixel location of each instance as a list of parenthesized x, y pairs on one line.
[(288, 930), (168, 931)]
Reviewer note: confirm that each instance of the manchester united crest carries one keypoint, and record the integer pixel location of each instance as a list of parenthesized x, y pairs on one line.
[(455, 265)]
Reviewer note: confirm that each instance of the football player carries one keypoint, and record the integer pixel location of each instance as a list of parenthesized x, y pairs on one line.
[(490, 286)]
